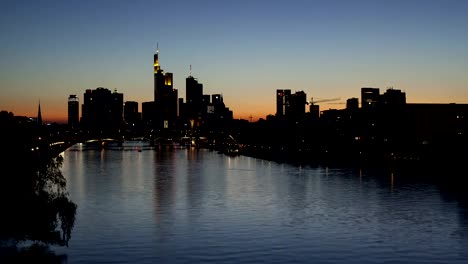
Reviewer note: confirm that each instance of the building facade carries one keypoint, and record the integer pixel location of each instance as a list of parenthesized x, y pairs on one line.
[(131, 114), (165, 97), (102, 110), (369, 97), (73, 111)]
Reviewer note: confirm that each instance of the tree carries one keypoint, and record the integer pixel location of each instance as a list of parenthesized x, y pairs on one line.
[(34, 203)]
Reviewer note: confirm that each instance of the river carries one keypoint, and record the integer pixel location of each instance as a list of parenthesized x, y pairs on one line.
[(139, 204)]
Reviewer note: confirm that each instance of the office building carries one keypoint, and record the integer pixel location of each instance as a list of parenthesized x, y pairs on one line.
[(282, 102), (290, 106), (369, 97), (194, 97), (102, 110), (165, 97), (392, 98), (73, 111), (352, 104), (131, 114), (297, 105), (148, 110)]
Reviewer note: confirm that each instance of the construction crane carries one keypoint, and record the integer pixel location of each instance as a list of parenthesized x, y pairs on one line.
[(314, 109), (312, 102)]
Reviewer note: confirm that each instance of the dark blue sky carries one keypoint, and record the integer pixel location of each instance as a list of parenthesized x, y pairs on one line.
[(243, 49)]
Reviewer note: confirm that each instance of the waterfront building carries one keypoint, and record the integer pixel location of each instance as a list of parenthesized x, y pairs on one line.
[(73, 111), (131, 114), (194, 97), (148, 110), (165, 97), (102, 110)]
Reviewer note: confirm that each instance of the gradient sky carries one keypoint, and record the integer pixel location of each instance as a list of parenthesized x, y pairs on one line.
[(242, 49)]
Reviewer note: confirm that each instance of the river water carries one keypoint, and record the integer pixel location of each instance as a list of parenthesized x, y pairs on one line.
[(138, 204)]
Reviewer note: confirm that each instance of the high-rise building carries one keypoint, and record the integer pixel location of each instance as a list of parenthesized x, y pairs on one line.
[(393, 97), (102, 110), (369, 97), (165, 97), (73, 111), (131, 114), (182, 112), (282, 102), (297, 105), (314, 110), (217, 99), (148, 110), (194, 97), (290, 106), (352, 104)]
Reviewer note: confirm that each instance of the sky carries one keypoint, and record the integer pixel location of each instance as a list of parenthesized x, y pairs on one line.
[(244, 50)]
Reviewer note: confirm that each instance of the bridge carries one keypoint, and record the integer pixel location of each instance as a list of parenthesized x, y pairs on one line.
[(226, 144)]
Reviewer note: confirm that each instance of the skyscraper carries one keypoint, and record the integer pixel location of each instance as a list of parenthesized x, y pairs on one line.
[(290, 106), (131, 114), (282, 102), (165, 97), (73, 111), (297, 104), (102, 110), (369, 97), (147, 113), (194, 97), (393, 97), (352, 104)]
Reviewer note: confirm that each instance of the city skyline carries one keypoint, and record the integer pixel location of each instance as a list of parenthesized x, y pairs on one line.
[(246, 51)]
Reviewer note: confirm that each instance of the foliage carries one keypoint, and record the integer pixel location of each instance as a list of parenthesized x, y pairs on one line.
[(34, 203)]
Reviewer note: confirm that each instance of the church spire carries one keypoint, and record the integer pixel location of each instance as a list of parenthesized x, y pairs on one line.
[(39, 115)]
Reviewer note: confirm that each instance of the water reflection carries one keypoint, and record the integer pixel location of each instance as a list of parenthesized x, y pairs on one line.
[(187, 206)]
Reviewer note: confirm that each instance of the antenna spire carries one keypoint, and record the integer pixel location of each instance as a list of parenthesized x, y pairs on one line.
[(157, 47), (190, 69)]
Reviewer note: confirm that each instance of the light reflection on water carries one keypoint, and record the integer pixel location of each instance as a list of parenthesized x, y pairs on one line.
[(188, 206)]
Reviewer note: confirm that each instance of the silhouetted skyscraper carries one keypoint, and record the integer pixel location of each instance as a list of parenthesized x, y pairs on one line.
[(282, 102), (393, 97), (217, 99), (182, 112), (131, 114), (102, 110), (352, 104), (290, 106), (369, 97), (297, 105), (148, 110), (73, 111), (194, 97), (314, 110), (165, 97)]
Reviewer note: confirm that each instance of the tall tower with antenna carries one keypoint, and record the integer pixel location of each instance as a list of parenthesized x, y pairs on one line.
[(156, 60), (165, 96)]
